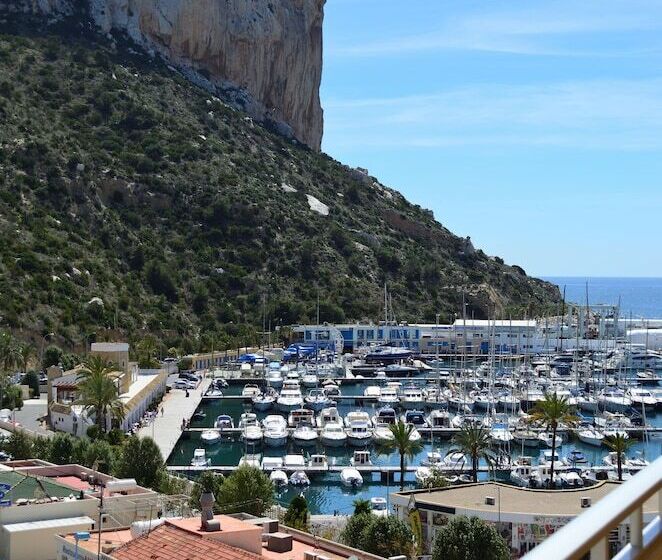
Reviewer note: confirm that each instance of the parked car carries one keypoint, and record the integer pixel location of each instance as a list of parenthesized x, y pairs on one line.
[(184, 384)]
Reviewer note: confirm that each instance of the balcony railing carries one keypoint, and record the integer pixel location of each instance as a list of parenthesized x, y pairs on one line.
[(588, 534)]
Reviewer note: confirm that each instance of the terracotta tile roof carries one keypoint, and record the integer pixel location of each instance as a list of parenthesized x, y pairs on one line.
[(168, 542)]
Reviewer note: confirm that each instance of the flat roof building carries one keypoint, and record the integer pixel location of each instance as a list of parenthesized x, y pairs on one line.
[(524, 517)]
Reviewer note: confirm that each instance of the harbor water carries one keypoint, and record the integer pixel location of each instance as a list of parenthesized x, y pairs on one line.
[(326, 494)]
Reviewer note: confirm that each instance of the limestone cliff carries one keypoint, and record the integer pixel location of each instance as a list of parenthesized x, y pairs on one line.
[(269, 49)]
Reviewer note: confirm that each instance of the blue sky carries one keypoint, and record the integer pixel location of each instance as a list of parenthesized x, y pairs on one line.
[(534, 127)]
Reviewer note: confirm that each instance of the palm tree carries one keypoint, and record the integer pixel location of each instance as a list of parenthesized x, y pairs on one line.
[(361, 506), (619, 444), (550, 412), (404, 444), (9, 357), (98, 392), (147, 349), (473, 441), (26, 351)]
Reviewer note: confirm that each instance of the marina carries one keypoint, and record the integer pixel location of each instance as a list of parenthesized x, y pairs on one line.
[(303, 423)]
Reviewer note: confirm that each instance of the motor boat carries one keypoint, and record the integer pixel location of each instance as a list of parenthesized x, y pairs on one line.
[(455, 460), (381, 433), (264, 401), (527, 438), (414, 417), (485, 401), (569, 479), (372, 392), (250, 460), (310, 380), (642, 398), (200, 458), (275, 430), (329, 415), (224, 422), (351, 477), (299, 417), (359, 433), (199, 414), (271, 463), (278, 478), (500, 433), (433, 459), (378, 506), (545, 439), (574, 458), (591, 436), (412, 398), (210, 437), (614, 400), (305, 435), (422, 475), (333, 435), (274, 378), (294, 462), (290, 397), (249, 391), (522, 472), (360, 459), (252, 434), (213, 391), (317, 400), (318, 461), (299, 478), (587, 403), (332, 391), (388, 396), (385, 415), (547, 456)]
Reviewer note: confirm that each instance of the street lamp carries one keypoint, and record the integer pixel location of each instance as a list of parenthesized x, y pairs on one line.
[(43, 340), (80, 536)]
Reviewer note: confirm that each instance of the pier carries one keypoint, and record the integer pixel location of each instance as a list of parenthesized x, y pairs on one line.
[(166, 428)]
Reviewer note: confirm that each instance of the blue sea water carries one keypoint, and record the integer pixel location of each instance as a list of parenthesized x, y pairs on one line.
[(641, 297)]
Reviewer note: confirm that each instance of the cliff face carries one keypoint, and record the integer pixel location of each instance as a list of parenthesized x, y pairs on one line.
[(271, 49)]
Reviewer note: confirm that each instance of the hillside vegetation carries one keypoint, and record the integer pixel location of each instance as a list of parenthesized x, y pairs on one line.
[(133, 201)]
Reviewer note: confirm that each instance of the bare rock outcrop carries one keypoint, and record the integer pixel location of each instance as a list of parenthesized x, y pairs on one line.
[(269, 49)]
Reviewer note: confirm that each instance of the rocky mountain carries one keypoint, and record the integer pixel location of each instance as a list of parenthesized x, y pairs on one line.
[(266, 54), (134, 201)]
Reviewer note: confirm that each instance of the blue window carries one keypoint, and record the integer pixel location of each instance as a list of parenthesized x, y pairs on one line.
[(370, 335)]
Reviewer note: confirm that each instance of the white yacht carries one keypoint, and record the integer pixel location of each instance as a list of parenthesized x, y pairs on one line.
[(360, 459), (299, 417), (249, 391), (252, 435), (278, 478), (332, 390), (271, 463), (224, 422), (591, 436), (587, 403), (351, 477), (433, 459), (294, 462), (526, 437), (333, 435), (329, 415), (412, 398), (388, 396), (318, 461), (305, 435), (522, 471), (299, 478), (500, 433), (385, 415), (247, 419), (200, 459), (641, 398), (250, 460), (275, 430), (372, 391), (614, 400), (359, 433), (456, 460), (290, 397), (274, 379), (210, 437), (310, 380), (264, 401), (316, 399)]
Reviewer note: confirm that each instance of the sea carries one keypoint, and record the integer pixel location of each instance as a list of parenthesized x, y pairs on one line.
[(638, 297)]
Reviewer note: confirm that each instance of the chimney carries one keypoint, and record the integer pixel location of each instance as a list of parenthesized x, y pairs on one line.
[(208, 523)]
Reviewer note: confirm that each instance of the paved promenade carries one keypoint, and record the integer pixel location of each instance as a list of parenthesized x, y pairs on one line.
[(166, 428)]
